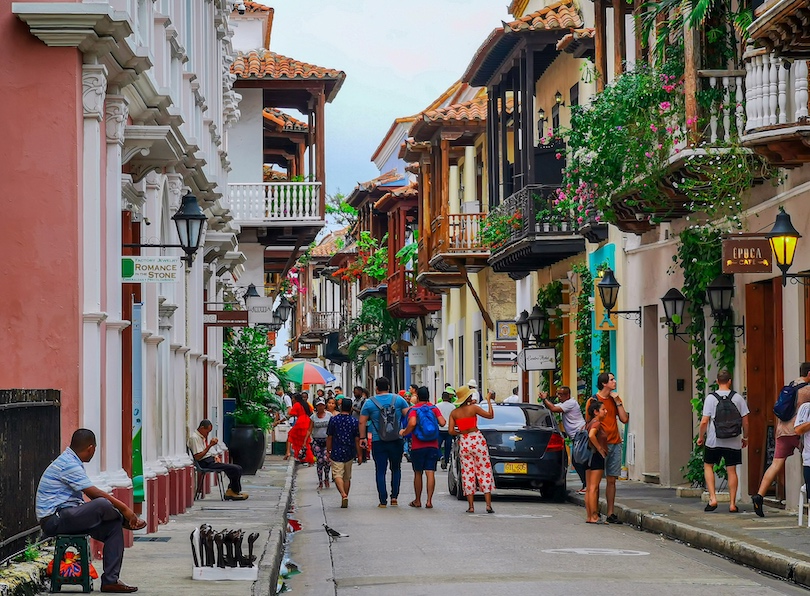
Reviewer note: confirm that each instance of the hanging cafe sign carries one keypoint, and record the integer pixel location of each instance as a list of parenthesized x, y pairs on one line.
[(744, 253)]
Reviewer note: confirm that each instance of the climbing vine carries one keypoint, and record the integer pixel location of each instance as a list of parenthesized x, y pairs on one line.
[(583, 340), (549, 298)]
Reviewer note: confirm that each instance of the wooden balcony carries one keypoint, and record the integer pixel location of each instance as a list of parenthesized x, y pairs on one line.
[(532, 244), (369, 287), (456, 241), (406, 299), (438, 282), (725, 119), (776, 103), (783, 28), (303, 350), (317, 325)]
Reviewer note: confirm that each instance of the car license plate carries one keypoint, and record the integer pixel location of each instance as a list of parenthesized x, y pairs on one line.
[(515, 468)]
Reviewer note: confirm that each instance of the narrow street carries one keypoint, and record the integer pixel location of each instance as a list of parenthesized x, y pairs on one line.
[(445, 551)]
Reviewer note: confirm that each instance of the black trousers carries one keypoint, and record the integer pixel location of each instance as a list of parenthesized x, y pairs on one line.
[(232, 471), (102, 521)]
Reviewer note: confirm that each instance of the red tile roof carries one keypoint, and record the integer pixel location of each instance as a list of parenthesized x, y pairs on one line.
[(284, 121), (391, 130), (560, 15), (472, 113), (271, 175), (256, 7), (381, 180), (575, 36), (331, 244), (264, 64)]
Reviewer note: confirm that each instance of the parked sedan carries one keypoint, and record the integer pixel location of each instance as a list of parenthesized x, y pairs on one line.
[(526, 448)]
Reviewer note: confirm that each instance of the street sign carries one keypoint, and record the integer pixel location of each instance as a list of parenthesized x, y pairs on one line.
[(504, 353), (537, 359), (746, 254), (225, 318), (138, 270), (506, 329), (260, 310), (420, 356)]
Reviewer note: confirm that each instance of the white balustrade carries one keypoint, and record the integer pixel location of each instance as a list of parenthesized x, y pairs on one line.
[(776, 91), (722, 110), (269, 202)]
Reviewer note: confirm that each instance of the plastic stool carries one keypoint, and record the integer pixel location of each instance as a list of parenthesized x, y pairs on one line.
[(81, 543)]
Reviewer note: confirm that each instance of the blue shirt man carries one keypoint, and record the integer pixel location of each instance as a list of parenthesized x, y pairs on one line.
[(61, 508), (384, 453)]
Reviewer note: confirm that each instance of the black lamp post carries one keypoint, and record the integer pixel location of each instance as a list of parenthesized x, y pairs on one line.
[(674, 304), (430, 333), (537, 321), (720, 294), (784, 238), (523, 327), (251, 292), (190, 222), (609, 293), (284, 308)]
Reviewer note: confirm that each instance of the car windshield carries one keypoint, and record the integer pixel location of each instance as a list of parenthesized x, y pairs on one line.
[(513, 417)]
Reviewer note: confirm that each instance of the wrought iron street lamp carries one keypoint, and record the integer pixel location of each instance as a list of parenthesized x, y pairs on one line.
[(720, 294), (609, 293), (674, 304), (385, 355), (284, 309), (430, 332), (784, 238), (523, 327), (537, 321), (251, 292)]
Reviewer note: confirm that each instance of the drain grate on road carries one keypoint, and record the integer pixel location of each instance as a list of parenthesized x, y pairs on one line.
[(152, 538)]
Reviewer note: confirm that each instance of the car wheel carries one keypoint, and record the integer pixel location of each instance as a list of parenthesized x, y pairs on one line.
[(452, 486)]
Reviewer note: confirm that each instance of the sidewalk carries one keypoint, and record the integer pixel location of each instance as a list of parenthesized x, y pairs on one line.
[(774, 544)]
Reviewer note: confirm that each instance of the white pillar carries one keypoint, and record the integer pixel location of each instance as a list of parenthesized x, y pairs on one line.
[(115, 114), (470, 190), (94, 85)]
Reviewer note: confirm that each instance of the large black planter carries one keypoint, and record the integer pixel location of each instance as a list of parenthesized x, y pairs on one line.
[(247, 447)]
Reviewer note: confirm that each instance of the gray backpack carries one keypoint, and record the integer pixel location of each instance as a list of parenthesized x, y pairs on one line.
[(389, 420)]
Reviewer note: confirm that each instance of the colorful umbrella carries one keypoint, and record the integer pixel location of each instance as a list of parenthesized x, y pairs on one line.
[(306, 372)]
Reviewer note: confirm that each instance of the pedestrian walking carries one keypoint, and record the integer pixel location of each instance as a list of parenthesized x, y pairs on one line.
[(472, 446), (384, 412), (724, 430), (598, 438), (343, 446), (606, 385), (802, 426), (360, 395), (424, 420), (787, 438), (445, 440), (572, 420), (331, 406), (317, 433), (298, 434)]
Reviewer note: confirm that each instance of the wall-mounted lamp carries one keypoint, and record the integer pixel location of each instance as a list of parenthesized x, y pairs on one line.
[(609, 293), (284, 309), (190, 222), (720, 294), (674, 304), (784, 238), (558, 98), (384, 355), (530, 327), (250, 292), (541, 123), (430, 332)]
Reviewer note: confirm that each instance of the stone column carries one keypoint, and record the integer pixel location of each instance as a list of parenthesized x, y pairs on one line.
[(94, 86)]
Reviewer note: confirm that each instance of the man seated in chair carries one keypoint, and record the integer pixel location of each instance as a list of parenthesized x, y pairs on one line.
[(61, 508), (200, 446)]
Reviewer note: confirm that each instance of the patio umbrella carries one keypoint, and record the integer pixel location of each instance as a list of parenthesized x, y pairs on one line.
[(305, 372)]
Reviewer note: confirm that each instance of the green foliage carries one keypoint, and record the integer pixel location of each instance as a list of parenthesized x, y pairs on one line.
[(583, 340), (343, 213), (254, 414), (497, 228), (549, 298), (32, 552), (408, 255), (375, 327), (374, 254)]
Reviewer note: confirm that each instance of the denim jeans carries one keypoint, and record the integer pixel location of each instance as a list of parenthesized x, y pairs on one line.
[(387, 453), (445, 444)]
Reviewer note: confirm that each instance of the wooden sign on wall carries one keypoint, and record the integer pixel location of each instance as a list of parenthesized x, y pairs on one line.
[(747, 254)]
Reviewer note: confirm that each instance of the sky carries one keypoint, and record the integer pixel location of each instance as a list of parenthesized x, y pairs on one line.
[(398, 57)]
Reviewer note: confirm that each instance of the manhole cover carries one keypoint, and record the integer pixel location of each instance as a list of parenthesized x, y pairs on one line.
[(596, 551)]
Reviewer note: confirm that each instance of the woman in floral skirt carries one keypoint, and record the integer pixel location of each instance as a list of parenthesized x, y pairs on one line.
[(472, 446), (317, 431)]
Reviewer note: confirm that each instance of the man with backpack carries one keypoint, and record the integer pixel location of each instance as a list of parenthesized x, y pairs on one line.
[(788, 402), (724, 430), (384, 411), (424, 420)]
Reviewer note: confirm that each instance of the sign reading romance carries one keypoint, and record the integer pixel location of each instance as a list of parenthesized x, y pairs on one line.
[(151, 269), (746, 254)]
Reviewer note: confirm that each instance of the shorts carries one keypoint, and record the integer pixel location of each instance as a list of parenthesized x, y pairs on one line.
[(425, 459), (713, 455), (597, 462), (613, 461), (785, 445), (342, 469)]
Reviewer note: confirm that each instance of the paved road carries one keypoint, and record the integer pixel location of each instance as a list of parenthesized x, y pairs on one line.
[(528, 546)]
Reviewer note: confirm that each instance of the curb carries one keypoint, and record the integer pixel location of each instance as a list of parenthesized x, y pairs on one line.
[(273, 553), (787, 568)]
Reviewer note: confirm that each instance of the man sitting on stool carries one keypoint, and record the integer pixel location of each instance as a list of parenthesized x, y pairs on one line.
[(61, 508), (200, 446)]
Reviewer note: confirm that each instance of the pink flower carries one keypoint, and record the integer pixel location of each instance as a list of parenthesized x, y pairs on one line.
[(646, 154), (558, 155), (691, 121), (665, 105), (669, 88), (653, 128), (580, 220)]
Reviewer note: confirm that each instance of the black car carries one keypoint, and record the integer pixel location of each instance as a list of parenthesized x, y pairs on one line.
[(526, 448)]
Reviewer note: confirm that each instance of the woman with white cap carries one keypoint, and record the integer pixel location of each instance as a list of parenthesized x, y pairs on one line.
[(473, 385), (472, 446), (317, 432)]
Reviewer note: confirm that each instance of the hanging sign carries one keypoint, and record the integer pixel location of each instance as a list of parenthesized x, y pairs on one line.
[(746, 254), (151, 269)]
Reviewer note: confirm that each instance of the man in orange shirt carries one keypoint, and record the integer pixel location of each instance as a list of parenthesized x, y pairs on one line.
[(606, 383)]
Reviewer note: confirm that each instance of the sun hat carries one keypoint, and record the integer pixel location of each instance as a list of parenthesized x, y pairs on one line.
[(472, 383), (462, 393), (451, 390)]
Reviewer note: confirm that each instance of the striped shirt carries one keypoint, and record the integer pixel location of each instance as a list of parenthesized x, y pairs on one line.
[(62, 484)]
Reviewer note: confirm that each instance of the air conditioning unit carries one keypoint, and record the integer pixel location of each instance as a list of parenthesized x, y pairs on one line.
[(631, 449)]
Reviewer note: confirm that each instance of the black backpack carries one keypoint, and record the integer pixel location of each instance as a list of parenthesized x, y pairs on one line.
[(727, 418), (389, 420)]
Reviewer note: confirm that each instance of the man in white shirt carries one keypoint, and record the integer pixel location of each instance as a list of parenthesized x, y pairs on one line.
[(473, 385), (801, 425), (514, 398), (203, 451), (572, 420), (445, 440), (722, 448)]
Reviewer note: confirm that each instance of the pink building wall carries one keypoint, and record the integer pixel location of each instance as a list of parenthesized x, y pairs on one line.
[(40, 165)]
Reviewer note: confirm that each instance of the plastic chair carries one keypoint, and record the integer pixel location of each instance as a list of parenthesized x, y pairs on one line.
[(81, 543), (802, 499), (200, 472)]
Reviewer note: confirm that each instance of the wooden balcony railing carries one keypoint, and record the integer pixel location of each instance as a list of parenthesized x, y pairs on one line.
[(459, 233), (270, 202), (321, 322), (402, 287)]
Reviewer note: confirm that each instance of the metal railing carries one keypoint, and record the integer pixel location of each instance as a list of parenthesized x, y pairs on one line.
[(523, 207), (322, 322), (30, 440), (269, 202)]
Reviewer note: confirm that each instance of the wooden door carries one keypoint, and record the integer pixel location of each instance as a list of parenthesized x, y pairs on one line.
[(763, 341)]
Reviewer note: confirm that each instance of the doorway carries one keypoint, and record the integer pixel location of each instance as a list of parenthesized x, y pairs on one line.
[(764, 357)]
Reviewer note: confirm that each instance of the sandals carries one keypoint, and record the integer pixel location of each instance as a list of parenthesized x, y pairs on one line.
[(710, 507), (414, 504), (490, 510), (470, 510), (429, 506), (140, 524)]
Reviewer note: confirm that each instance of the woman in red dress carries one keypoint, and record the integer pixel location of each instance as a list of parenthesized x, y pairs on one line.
[(299, 443)]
